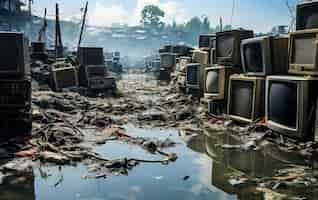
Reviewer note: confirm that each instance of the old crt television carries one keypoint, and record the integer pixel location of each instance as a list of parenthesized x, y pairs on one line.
[(201, 57), (155, 64), (205, 41), (15, 94), (14, 56), (303, 52), (263, 56), (90, 56), (307, 15), (183, 61), (194, 76), (246, 97), (228, 47), (168, 60), (216, 82), (291, 105), (65, 77)]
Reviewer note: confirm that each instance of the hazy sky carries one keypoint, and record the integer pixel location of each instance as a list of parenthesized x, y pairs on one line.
[(259, 15)]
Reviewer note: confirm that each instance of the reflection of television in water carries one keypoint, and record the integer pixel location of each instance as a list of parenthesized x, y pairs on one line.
[(265, 55), (216, 82), (246, 98), (291, 105), (228, 47), (14, 56), (194, 76), (206, 41), (307, 15), (303, 52)]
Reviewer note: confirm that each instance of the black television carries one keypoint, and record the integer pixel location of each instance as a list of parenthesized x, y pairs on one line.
[(263, 56), (246, 98), (206, 41), (90, 56), (228, 47), (291, 103), (307, 15), (14, 56)]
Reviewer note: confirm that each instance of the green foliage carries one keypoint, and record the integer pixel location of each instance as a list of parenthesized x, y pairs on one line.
[(151, 16)]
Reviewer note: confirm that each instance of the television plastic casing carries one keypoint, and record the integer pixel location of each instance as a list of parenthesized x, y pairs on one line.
[(306, 97), (234, 59), (258, 99), (58, 78), (183, 61), (90, 56), (21, 55), (200, 56), (302, 9), (274, 55), (301, 68), (224, 76)]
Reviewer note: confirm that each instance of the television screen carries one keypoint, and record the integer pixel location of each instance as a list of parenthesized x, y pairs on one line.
[(192, 74), (212, 82), (167, 60), (307, 16), (303, 50), (282, 103), (10, 51), (253, 57), (225, 45), (241, 99), (66, 78), (91, 56), (204, 41)]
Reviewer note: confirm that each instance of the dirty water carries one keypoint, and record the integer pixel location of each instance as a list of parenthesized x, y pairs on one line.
[(203, 170)]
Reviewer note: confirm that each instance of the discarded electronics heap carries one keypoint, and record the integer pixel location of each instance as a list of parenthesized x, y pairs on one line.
[(268, 79)]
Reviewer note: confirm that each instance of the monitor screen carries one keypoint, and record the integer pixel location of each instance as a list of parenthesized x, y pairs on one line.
[(212, 81), (192, 74), (225, 45), (10, 52), (66, 78), (307, 17), (282, 103), (91, 56), (253, 57), (303, 50), (204, 41), (167, 60), (241, 99)]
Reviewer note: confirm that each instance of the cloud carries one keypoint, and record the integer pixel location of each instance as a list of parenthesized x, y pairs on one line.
[(107, 14)]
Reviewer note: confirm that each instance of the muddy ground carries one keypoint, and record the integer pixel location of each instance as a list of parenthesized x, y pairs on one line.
[(68, 127)]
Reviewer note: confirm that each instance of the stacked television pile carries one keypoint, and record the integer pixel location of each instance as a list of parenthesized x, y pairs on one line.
[(169, 57), (277, 81)]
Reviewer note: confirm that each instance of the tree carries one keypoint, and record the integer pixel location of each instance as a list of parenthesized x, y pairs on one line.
[(151, 16)]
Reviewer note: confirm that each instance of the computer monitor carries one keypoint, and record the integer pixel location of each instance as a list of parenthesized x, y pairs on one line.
[(228, 47), (195, 74), (303, 52), (206, 41), (291, 105), (216, 82), (263, 56), (65, 77), (90, 56), (246, 97), (307, 15), (168, 60), (14, 56)]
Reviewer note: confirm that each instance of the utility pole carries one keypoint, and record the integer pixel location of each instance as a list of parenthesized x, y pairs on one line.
[(58, 37), (83, 25), (43, 29), (221, 24)]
